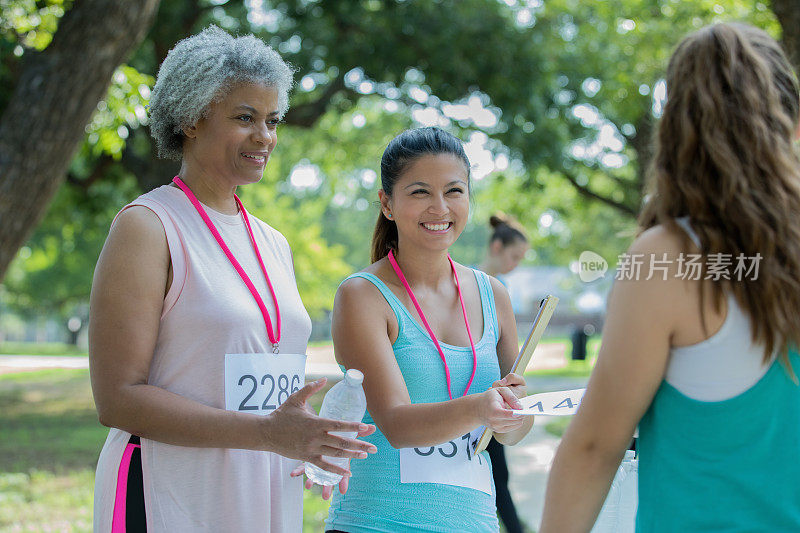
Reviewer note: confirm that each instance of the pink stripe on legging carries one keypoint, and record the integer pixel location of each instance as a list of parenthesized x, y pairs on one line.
[(118, 523)]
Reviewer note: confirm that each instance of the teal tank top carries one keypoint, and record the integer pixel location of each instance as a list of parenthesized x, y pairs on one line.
[(376, 501), (727, 466)]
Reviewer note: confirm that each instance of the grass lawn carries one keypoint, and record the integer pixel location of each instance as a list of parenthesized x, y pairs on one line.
[(572, 369), (39, 348), (49, 443), (558, 426)]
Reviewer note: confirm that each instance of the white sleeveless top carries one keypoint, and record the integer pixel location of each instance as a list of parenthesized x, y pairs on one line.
[(724, 365), (207, 313)]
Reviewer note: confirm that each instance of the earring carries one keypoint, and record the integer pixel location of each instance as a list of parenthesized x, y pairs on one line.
[(389, 216)]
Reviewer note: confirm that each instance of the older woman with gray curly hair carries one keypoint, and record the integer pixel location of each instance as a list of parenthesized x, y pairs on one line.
[(197, 331)]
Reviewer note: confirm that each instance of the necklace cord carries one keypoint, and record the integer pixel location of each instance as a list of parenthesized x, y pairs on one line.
[(274, 337), (403, 280)]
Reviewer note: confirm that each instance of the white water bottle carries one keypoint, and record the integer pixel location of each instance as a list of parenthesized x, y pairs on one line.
[(345, 401)]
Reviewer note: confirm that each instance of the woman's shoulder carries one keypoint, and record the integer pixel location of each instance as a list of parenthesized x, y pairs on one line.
[(652, 268), (361, 283), (158, 205), (138, 221), (500, 296), (661, 238), (165, 195), (137, 237), (500, 292), (361, 296)]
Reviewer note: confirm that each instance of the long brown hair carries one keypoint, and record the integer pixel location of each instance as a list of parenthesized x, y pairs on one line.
[(725, 159)]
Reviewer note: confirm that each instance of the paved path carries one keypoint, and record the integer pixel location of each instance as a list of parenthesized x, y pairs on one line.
[(321, 361), (23, 363), (529, 461)]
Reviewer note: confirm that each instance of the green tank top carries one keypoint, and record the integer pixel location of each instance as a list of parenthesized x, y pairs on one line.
[(727, 466)]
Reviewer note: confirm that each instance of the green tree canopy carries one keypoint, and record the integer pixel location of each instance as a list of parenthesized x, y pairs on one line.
[(562, 94)]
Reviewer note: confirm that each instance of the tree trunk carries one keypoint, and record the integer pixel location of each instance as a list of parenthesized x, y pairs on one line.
[(53, 100), (788, 13)]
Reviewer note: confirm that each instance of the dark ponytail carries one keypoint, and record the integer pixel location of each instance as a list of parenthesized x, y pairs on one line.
[(401, 152), (384, 238), (506, 230)]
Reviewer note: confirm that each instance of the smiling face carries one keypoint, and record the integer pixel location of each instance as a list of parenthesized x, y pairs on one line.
[(234, 140), (429, 202)]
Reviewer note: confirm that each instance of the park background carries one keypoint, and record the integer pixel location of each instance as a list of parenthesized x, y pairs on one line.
[(556, 101)]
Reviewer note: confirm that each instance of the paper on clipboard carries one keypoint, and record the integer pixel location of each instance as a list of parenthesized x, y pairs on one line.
[(546, 309)]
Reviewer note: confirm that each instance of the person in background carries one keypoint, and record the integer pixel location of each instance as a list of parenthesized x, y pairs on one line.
[(507, 246), (433, 339), (704, 360), (195, 313)]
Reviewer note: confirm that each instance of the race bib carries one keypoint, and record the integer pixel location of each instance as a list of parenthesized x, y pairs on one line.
[(259, 383), (451, 463), (558, 403)]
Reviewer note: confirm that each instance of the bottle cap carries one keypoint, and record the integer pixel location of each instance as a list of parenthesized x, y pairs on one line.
[(354, 377)]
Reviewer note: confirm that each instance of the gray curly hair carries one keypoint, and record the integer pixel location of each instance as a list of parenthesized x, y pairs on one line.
[(200, 70)]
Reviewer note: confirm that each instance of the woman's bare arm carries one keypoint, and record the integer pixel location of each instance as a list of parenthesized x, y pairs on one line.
[(640, 322)]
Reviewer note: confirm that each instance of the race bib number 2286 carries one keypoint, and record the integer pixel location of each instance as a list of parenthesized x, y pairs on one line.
[(260, 383)]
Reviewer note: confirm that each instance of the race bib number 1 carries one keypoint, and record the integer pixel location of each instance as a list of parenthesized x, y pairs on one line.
[(451, 463), (259, 383)]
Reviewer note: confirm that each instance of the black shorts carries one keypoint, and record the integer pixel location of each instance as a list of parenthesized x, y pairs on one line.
[(134, 502)]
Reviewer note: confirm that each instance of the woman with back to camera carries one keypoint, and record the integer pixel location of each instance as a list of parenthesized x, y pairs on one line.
[(195, 314), (433, 339), (507, 246), (706, 367)]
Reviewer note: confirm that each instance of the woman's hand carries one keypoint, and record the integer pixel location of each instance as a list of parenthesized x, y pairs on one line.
[(294, 430), (515, 383), (495, 410)]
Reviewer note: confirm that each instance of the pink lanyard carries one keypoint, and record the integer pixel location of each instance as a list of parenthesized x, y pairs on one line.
[(273, 337), (400, 275)]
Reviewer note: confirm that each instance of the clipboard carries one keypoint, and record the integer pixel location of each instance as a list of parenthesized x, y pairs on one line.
[(546, 309)]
